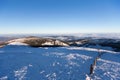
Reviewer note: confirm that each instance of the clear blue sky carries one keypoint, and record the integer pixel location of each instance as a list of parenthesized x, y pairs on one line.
[(59, 16)]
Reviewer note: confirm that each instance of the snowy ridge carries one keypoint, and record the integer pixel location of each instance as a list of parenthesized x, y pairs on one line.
[(37, 42), (17, 43), (90, 49), (109, 62), (17, 40)]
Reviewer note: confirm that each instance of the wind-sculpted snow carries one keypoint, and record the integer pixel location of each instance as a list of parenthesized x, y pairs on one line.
[(60, 63), (20, 74), (75, 56), (108, 70), (91, 49)]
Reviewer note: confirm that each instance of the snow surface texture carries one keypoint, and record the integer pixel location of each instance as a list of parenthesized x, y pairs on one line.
[(20, 74), (61, 63)]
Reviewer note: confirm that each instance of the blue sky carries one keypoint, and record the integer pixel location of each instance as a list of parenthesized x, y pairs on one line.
[(59, 16)]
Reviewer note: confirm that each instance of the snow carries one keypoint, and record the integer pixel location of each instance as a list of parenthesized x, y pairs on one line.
[(109, 62), (17, 40), (57, 53), (110, 70), (51, 76), (60, 43), (47, 43), (60, 63), (17, 43), (4, 78), (1, 51), (74, 56), (78, 43), (87, 77), (91, 49), (70, 56), (54, 43), (30, 65), (20, 74), (42, 72)]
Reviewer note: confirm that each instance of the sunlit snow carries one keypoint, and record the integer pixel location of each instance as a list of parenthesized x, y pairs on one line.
[(60, 63)]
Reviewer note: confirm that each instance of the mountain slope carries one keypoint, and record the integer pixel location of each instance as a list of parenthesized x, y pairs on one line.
[(37, 42)]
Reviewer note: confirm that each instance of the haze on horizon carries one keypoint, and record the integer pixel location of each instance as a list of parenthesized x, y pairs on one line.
[(59, 16)]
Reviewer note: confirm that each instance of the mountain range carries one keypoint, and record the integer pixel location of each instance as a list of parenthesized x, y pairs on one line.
[(63, 41)]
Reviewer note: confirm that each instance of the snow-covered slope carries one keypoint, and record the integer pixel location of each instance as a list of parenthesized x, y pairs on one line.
[(37, 42), (17, 43), (109, 44), (61, 63), (90, 42)]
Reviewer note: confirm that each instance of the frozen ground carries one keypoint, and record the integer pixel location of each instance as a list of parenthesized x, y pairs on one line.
[(61, 63)]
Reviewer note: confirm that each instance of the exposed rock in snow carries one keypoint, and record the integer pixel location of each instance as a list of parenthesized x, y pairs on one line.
[(54, 43), (1, 46), (37, 42)]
